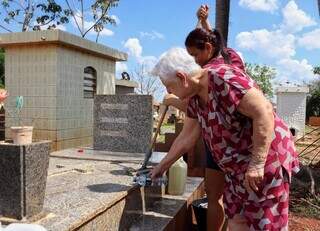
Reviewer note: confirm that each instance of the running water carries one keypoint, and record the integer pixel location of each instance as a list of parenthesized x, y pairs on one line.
[(143, 200)]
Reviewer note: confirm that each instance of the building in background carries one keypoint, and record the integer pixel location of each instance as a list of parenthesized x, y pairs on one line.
[(291, 107)]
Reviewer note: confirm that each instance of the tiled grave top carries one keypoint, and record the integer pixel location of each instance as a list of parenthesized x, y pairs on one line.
[(62, 38), (83, 184)]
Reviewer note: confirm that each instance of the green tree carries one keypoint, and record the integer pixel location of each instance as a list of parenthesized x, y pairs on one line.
[(35, 15), (98, 10), (263, 75), (313, 98)]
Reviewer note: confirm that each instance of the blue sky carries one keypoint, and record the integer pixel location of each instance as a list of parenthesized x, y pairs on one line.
[(279, 33)]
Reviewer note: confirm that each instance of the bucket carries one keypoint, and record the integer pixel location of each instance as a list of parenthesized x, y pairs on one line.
[(22, 135), (200, 207)]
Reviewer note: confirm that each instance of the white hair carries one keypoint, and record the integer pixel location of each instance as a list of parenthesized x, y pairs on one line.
[(175, 59)]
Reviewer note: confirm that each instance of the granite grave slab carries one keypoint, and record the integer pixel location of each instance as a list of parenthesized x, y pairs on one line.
[(122, 123), (23, 176)]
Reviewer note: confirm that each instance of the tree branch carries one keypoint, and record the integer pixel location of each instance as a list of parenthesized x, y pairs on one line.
[(75, 20), (98, 34), (82, 16), (19, 4), (28, 15), (48, 22), (5, 28), (13, 18), (102, 15)]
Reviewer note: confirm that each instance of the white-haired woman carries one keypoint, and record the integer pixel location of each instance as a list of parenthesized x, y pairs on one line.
[(249, 142)]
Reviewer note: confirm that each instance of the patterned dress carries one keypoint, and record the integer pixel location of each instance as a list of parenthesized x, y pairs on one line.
[(234, 59), (228, 134)]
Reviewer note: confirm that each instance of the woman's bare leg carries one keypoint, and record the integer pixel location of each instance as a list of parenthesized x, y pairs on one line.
[(237, 223), (214, 181)]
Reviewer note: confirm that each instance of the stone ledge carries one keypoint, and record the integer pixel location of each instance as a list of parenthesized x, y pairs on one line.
[(92, 190), (61, 38), (292, 89), (126, 83)]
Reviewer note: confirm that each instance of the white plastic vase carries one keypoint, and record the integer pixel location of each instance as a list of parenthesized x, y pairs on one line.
[(22, 135), (23, 227)]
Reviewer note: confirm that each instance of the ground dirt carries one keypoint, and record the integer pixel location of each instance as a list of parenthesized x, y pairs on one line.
[(305, 187)]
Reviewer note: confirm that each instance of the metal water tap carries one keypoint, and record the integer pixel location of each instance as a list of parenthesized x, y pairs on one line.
[(143, 179)]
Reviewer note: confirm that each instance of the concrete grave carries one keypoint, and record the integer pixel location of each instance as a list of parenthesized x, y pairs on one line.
[(23, 177), (58, 74), (125, 87), (291, 107), (122, 123)]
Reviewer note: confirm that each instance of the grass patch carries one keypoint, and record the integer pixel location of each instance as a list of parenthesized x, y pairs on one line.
[(166, 125), (300, 206)]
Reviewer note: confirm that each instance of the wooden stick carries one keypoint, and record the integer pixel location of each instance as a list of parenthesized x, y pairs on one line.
[(149, 153)]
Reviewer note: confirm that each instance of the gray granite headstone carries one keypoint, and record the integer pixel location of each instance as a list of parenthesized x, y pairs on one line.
[(122, 123), (23, 177)]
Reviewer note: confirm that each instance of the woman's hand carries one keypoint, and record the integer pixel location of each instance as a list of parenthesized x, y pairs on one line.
[(173, 100), (253, 177), (156, 172), (203, 13), (169, 99)]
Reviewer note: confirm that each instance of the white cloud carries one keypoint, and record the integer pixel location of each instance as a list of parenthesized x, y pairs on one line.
[(294, 19), (61, 27), (294, 70), (148, 62), (310, 40), (121, 67), (115, 18), (240, 55), (279, 45), (134, 47), (269, 44), (153, 35), (105, 32), (260, 5), (87, 25)]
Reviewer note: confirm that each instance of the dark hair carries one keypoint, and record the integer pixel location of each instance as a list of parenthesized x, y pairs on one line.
[(198, 37)]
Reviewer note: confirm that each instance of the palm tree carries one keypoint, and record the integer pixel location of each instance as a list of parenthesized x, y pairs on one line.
[(222, 17)]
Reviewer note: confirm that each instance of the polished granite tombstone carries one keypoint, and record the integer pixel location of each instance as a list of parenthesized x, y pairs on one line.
[(122, 123), (23, 176)]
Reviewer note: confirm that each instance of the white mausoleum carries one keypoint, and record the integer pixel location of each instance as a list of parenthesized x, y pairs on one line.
[(291, 107)]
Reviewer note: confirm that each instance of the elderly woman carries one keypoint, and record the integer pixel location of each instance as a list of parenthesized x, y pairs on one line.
[(249, 142)]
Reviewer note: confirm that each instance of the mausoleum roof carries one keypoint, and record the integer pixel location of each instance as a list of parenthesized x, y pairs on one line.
[(61, 38)]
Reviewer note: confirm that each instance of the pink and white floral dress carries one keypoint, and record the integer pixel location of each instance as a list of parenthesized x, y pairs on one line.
[(229, 134)]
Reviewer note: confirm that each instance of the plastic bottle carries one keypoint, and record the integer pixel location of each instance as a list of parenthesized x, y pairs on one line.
[(177, 177)]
